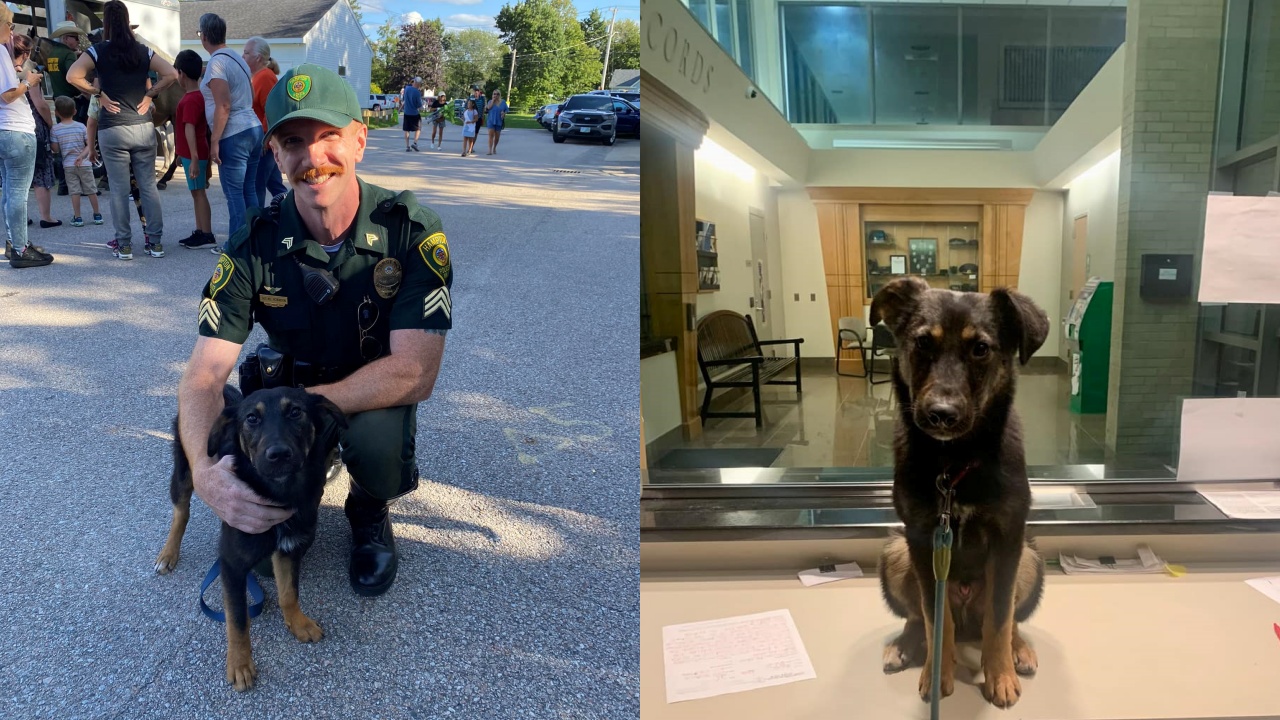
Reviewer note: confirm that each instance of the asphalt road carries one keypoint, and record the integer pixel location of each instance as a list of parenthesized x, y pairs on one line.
[(518, 588)]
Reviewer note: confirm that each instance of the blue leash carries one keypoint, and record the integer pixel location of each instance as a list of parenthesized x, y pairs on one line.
[(941, 568), (255, 594)]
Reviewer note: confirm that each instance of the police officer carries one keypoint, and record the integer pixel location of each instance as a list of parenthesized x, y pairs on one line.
[(351, 283)]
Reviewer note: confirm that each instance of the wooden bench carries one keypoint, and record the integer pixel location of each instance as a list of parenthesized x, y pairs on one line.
[(731, 356)]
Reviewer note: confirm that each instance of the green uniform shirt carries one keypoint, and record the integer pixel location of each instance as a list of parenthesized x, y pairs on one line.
[(57, 63), (258, 279)]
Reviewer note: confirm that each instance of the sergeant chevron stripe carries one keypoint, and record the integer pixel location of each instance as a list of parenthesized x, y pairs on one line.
[(210, 314), (438, 301)]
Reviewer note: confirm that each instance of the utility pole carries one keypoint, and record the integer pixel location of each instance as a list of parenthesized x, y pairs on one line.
[(512, 76), (604, 76)]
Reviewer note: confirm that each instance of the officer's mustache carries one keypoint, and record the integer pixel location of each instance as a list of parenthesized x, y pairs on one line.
[(318, 173)]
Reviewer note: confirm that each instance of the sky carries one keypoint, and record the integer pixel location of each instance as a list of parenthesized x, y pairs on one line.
[(459, 14)]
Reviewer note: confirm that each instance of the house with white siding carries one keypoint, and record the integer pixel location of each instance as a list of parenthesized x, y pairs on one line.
[(324, 32)]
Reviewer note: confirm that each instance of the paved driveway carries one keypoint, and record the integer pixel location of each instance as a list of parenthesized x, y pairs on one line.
[(518, 587)]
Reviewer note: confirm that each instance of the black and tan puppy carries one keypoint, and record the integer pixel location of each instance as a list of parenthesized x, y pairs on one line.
[(282, 440), (954, 376)]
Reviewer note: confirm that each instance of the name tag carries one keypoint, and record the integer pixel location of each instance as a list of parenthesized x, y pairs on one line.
[(273, 301)]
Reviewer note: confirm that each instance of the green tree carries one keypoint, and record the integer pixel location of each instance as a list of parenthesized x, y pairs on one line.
[(384, 49), (626, 46), (552, 57), (595, 27), (472, 56), (419, 53)]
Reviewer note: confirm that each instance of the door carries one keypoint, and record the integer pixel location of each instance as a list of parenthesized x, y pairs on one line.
[(760, 292), (1079, 255)]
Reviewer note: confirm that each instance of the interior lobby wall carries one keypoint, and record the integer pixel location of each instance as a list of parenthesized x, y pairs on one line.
[(848, 167), (802, 273), (725, 196), (659, 395), (1039, 272), (1095, 194)]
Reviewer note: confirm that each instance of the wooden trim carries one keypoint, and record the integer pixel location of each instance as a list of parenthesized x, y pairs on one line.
[(670, 113), (922, 196), (921, 213)]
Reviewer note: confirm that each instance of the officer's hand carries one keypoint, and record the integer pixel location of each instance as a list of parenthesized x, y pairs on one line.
[(233, 500)]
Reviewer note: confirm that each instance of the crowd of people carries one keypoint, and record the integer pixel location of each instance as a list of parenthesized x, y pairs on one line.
[(104, 116), (477, 113)]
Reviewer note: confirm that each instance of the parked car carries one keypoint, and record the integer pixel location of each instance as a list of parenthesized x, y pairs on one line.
[(546, 115), (586, 117), (628, 95), (379, 102), (628, 117)]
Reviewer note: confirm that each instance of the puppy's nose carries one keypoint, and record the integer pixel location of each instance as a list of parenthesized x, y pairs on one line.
[(943, 415), (279, 453)]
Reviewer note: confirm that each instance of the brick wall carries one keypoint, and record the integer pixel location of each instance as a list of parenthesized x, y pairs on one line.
[(1170, 94)]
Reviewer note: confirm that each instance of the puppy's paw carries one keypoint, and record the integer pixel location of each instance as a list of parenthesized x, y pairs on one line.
[(304, 628), (1001, 689), (926, 681), (241, 672), (895, 660), (1025, 661), (166, 561)]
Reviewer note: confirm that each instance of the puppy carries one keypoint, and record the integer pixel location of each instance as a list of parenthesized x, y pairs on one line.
[(954, 377), (282, 440)]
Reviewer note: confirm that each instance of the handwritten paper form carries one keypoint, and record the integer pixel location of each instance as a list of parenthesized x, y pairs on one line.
[(733, 654), (1241, 258)]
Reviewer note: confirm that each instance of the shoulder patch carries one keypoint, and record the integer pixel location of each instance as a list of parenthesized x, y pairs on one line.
[(221, 275), (434, 250)]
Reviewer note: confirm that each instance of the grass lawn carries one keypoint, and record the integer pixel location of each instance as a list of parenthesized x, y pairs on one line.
[(522, 121)]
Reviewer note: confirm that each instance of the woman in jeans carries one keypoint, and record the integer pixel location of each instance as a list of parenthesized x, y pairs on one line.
[(126, 138), (17, 151), (43, 178), (235, 135)]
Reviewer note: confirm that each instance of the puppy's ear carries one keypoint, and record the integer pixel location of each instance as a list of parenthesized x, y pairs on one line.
[(897, 301), (222, 437), (330, 421), (1022, 323)]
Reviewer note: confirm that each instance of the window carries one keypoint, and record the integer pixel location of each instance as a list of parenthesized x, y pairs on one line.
[(729, 22)]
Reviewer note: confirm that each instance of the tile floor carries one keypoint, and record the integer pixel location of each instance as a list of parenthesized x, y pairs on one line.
[(845, 422)]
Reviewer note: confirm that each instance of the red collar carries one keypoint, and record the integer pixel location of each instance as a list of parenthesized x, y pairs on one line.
[(947, 481)]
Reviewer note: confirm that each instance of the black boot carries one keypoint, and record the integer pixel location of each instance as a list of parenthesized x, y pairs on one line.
[(373, 547)]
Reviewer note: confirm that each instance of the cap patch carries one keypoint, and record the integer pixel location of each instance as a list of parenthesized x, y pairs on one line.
[(299, 86)]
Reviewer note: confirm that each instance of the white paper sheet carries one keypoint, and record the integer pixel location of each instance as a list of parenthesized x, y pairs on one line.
[(1256, 505), (1241, 257), (830, 573), (1230, 439), (1147, 562), (1269, 586), (733, 654)]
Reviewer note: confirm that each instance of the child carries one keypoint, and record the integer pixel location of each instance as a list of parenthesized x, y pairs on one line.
[(193, 146), (72, 140), (469, 127)]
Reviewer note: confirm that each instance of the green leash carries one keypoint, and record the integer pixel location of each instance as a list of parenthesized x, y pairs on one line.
[(942, 539)]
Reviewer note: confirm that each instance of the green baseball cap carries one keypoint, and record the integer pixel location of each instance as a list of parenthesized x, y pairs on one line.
[(315, 93)]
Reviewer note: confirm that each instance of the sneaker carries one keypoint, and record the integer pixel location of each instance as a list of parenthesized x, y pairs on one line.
[(197, 239), (415, 147), (113, 244), (155, 250), (215, 250), (408, 149), (97, 217), (31, 256), (124, 252), (77, 221)]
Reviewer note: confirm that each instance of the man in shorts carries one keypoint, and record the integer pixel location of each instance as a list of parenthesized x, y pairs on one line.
[(411, 101)]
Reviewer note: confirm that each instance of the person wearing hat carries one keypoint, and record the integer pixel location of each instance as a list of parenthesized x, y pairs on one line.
[(411, 102), (61, 57), (351, 283)]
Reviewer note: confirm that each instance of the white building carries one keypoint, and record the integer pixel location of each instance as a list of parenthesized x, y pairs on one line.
[(324, 32)]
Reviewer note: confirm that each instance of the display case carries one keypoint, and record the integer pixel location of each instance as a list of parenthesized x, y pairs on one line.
[(708, 258), (944, 254)]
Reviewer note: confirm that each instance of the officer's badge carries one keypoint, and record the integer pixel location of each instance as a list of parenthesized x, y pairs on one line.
[(387, 275), (51, 64), (434, 250), (299, 86), (221, 275), (273, 301)]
